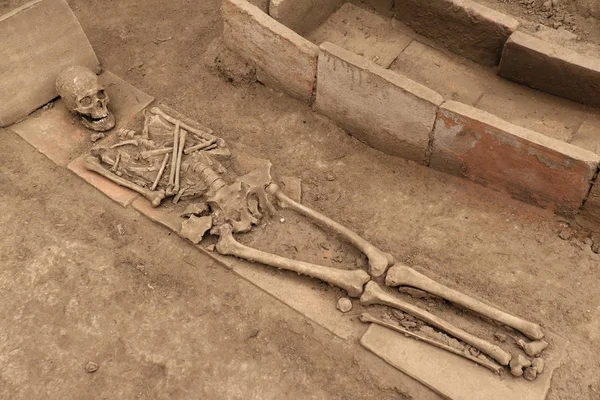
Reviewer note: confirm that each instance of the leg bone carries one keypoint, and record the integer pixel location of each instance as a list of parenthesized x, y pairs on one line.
[(402, 275), (171, 183), (373, 294), (182, 137), (379, 261), (351, 281), (491, 365), (155, 197)]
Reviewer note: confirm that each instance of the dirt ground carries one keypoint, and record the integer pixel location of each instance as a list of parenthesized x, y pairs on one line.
[(76, 290)]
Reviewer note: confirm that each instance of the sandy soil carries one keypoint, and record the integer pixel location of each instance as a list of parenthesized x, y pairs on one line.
[(74, 293)]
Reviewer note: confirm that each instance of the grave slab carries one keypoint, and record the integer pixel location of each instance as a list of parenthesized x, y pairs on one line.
[(60, 136), (454, 377), (117, 193), (38, 40)]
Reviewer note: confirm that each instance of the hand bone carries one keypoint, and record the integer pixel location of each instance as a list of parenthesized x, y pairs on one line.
[(491, 365), (379, 261), (93, 164), (352, 281), (402, 275), (375, 295)]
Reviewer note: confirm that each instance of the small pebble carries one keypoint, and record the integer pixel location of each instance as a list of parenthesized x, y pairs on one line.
[(282, 220), (564, 234), (91, 367), (344, 304), (338, 259)]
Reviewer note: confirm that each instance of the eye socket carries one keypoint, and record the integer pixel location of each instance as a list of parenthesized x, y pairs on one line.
[(101, 94), (86, 101)]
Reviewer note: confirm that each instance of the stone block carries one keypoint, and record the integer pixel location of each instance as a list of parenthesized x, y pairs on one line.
[(38, 40), (377, 106), (551, 68), (454, 377), (115, 192), (302, 16), (463, 26), (283, 59), (529, 166), (58, 134)]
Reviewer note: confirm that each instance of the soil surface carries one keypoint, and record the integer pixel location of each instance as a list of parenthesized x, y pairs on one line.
[(85, 280)]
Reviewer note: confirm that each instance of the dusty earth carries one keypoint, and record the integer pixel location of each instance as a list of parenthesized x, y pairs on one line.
[(85, 280)]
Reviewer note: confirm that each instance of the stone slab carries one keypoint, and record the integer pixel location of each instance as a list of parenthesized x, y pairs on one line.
[(302, 16), (551, 68), (38, 40), (362, 32), (115, 192), (304, 295), (454, 377), (529, 166), (462, 26), (61, 137), (284, 60), (377, 106)]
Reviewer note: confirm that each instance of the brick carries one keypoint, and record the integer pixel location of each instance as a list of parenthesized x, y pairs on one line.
[(283, 59), (455, 377), (115, 192), (38, 41), (525, 164), (377, 106), (463, 26), (302, 16), (551, 68), (60, 137)]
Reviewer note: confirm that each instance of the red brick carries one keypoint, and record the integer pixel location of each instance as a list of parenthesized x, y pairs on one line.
[(117, 193), (529, 166)]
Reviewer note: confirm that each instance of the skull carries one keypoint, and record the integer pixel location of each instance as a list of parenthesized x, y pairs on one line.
[(84, 95)]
